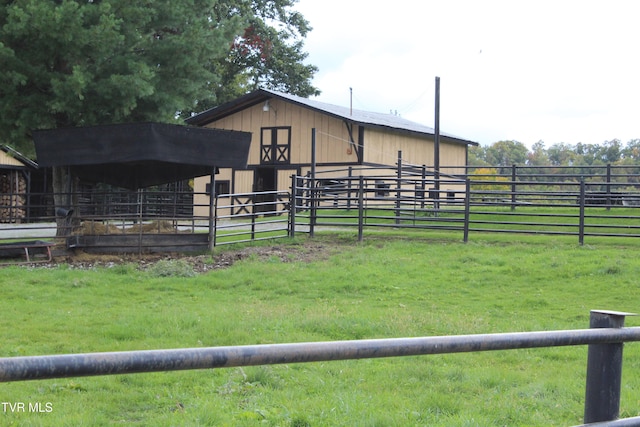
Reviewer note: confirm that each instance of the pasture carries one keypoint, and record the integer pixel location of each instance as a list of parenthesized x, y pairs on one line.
[(326, 288)]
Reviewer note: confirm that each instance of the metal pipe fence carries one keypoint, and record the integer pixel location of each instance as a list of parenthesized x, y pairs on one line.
[(484, 203), (244, 217), (605, 339), (583, 202)]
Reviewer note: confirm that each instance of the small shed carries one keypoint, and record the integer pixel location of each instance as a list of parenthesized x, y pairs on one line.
[(15, 177), (136, 156)]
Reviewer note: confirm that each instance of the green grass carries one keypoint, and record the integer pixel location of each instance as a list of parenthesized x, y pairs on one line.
[(392, 285)]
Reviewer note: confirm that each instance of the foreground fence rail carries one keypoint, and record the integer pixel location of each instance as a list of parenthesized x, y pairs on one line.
[(604, 366)]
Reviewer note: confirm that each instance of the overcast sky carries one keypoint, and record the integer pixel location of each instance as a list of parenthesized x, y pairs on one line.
[(556, 71)]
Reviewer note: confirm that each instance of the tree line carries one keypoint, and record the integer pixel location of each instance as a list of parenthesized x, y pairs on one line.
[(507, 153)]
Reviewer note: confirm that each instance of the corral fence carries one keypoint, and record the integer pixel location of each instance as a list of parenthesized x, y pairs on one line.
[(243, 217), (517, 200), (605, 338), (582, 201)]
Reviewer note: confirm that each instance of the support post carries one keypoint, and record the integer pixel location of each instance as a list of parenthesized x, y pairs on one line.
[(436, 150), (212, 210), (467, 207), (608, 186), (313, 192), (581, 214), (398, 187), (292, 206), (513, 187), (604, 371), (360, 208)]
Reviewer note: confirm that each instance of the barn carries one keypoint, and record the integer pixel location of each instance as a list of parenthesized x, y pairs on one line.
[(281, 127)]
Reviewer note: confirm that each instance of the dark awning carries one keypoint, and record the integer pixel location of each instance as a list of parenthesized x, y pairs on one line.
[(140, 155)]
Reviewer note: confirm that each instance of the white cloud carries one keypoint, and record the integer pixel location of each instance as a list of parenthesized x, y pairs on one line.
[(528, 70)]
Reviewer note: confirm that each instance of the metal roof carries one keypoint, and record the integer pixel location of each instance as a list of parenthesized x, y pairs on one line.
[(10, 158), (365, 118)]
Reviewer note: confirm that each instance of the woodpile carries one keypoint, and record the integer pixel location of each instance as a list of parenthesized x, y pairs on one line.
[(13, 190)]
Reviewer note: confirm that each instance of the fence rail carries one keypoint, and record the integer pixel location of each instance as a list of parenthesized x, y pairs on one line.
[(604, 365), (583, 202), (486, 203)]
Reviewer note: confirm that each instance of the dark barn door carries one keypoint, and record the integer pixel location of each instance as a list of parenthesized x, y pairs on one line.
[(265, 180)]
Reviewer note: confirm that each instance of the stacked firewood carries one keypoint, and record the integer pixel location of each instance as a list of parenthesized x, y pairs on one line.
[(13, 189)]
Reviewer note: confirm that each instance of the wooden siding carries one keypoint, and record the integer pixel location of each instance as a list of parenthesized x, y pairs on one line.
[(200, 198), (7, 160), (242, 181), (284, 179), (332, 137), (381, 147)]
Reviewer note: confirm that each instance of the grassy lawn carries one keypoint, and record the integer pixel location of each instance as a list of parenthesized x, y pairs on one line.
[(327, 288)]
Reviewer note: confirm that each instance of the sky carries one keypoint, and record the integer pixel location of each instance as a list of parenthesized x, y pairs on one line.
[(558, 71)]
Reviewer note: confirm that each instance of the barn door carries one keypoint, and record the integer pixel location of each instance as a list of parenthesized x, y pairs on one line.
[(275, 145)]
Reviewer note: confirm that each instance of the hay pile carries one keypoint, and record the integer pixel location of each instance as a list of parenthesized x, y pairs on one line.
[(94, 228)]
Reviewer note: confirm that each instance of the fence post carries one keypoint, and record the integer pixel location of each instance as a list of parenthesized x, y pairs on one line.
[(513, 187), (312, 184), (292, 206), (581, 219), (423, 185), (212, 210), (360, 208), (253, 216), (398, 187), (608, 186), (349, 188), (467, 206), (604, 371)]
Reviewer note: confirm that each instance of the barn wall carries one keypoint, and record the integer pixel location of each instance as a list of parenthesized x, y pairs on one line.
[(7, 160), (284, 179), (200, 199), (381, 147), (332, 137), (333, 144)]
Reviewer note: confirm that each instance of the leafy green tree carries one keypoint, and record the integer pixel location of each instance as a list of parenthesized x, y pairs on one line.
[(76, 63), (476, 156), (69, 63), (506, 153), (83, 62), (269, 53), (538, 155), (562, 154), (631, 152)]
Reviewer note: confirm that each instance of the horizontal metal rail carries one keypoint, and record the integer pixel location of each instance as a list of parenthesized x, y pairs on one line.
[(128, 362)]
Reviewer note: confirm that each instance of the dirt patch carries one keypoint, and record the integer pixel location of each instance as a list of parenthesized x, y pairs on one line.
[(295, 252)]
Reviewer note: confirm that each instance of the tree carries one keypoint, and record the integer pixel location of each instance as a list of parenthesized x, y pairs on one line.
[(84, 62), (263, 55), (506, 153), (476, 156)]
